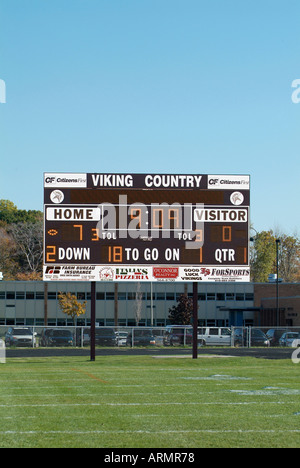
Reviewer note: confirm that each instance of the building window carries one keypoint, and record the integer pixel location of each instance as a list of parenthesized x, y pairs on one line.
[(230, 296), (10, 295), (211, 296), (178, 296), (51, 296), (122, 296), (110, 296), (20, 295), (240, 296), (170, 296), (20, 321), (220, 297), (160, 296), (249, 297), (39, 321)]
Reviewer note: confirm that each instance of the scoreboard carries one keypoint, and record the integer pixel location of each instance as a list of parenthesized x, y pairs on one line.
[(146, 227)]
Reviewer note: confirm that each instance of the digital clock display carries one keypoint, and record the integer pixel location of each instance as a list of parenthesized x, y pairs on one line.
[(146, 227)]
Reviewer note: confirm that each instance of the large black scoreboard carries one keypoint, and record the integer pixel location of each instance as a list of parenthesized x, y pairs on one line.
[(146, 227)]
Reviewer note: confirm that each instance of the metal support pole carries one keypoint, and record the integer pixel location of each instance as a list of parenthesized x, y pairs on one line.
[(195, 320), (93, 320), (277, 283)]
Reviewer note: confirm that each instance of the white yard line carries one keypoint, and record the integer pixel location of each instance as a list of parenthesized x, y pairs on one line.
[(53, 405), (192, 431)]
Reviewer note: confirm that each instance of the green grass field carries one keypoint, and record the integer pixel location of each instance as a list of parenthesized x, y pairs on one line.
[(146, 402)]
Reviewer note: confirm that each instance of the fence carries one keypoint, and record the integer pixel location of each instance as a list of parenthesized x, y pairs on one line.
[(170, 336)]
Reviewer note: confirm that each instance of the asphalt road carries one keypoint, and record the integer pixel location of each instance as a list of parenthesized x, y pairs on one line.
[(261, 353)]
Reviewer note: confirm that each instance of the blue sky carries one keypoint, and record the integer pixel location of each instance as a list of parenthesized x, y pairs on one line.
[(159, 86)]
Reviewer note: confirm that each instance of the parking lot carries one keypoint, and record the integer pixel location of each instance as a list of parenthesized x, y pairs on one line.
[(172, 340), (170, 336)]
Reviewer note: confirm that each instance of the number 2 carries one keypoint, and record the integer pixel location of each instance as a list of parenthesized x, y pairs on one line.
[(51, 251)]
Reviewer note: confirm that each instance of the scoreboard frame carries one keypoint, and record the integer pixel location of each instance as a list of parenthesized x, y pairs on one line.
[(146, 227)]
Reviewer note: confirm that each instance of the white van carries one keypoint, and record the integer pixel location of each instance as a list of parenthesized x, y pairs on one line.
[(214, 336)]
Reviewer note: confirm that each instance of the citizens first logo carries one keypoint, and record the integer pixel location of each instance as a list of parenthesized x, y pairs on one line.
[(228, 182), (52, 180)]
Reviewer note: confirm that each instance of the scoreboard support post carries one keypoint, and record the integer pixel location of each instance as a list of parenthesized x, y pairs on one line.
[(195, 320), (93, 321)]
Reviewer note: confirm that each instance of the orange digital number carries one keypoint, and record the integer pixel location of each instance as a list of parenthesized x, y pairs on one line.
[(115, 254), (95, 234), (79, 226), (51, 254), (201, 255), (136, 213)]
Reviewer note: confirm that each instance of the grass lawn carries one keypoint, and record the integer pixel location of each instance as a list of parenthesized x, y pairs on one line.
[(146, 402)]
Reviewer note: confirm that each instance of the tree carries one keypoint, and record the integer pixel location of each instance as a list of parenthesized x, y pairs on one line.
[(8, 266), (21, 242), (289, 258), (263, 259), (182, 313), (71, 306), (28, 238), (263, 256), (138, 303), (10, 214)]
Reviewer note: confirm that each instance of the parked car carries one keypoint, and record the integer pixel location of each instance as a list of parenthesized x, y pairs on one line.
[(158, 334), (82, 336), (142, 337), (177, 335), (121, 338), (44, 336), (215, 336), (242, 336), (57, 337), (288, 339), (274, 335), (20, 336), (105, 337)]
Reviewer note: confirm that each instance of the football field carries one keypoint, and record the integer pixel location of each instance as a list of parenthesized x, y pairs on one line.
[(149, 402)]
